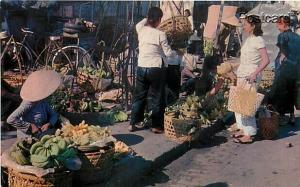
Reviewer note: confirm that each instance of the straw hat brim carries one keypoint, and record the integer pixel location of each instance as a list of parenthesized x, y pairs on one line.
[(234, 21), (40, 84)]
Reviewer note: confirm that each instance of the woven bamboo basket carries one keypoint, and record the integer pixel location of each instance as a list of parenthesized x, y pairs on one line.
[(59, 179), (96, 166), (269, 127), (178, 129), (177, 28)]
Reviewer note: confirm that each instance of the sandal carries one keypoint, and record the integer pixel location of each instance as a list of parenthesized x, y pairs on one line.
[(244, 140), (132, 128)]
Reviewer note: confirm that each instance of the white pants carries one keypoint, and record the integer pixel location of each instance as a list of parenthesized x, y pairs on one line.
[(246, 123)]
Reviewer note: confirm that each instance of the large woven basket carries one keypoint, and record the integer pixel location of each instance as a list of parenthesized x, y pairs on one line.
[(177, 28), (269, 126), (96, 166), (244, 101), (178, 129), (59, 179)]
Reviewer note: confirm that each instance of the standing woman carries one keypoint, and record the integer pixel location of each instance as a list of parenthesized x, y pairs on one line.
[(150, 81), (283, 95), (254, 59)]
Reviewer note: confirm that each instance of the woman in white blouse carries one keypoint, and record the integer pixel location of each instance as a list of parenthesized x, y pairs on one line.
[(150, 81), (254, 59)]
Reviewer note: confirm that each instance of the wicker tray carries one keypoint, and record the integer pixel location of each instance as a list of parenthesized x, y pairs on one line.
[(178, 129), (96, 166), (60, 179)]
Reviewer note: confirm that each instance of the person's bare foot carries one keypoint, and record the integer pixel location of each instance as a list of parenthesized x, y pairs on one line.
[(157, 130), (244, 140)]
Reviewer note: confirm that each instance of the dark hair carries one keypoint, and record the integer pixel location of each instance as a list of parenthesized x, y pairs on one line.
[(154, 15), (284, 19), (188, 11), (255, 21)]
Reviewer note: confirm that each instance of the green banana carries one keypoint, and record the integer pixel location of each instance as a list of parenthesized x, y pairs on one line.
[(45, 138), (34, 147)]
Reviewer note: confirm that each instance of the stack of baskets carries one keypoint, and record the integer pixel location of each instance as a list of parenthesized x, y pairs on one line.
[(58, 179), (178, 129), (177, 28), (96, 165)]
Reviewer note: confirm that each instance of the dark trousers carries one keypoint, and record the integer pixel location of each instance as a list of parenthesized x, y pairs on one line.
[(150, 83), (283, 92), (173, 81)]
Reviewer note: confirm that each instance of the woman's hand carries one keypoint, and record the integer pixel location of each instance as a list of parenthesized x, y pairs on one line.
[(34, 129), (252, 78), (45, 127)]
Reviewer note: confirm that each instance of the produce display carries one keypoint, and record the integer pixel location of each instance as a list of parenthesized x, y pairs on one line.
[(49, 152), (205, 108), (20, 151), (208, 47), (67, 101), (89, 72), (82, 134)]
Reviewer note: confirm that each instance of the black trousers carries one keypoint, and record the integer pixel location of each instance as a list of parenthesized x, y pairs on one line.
[(283, 92), (173, 81), (150, 83)]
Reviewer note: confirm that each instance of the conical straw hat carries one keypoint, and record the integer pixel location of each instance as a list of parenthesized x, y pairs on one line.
[(40, 84)]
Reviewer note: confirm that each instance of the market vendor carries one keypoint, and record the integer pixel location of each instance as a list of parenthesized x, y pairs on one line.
[(204, 82), (150, 81), (34, 117)]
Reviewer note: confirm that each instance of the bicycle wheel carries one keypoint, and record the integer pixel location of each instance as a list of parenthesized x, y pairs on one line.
[(17, 52), (69, 58)]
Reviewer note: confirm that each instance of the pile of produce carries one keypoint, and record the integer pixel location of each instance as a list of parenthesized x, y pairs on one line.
[(83, 134), (113, 116), (89, 72), (268, 76), (49, 152), (67, 101), (206, 108), (208, 47)]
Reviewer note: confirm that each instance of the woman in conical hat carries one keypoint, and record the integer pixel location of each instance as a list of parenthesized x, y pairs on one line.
[(34, 117)]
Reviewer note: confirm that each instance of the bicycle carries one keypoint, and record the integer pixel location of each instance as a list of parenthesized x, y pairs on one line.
[(14, 52)]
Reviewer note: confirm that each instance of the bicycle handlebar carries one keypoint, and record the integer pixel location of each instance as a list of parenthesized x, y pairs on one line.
[(26, 30)]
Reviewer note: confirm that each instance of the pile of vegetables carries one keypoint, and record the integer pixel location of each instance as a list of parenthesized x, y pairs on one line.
[(83, 134), (89, 72), (67, 101), (208, 47), (205, 108), (49, 152)]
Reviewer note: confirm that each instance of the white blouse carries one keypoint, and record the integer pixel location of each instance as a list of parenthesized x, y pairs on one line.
[(153, 45), (250, 56)]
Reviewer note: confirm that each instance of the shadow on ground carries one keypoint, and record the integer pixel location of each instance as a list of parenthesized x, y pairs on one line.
[(153, 179), (217, 184), (129, 139)]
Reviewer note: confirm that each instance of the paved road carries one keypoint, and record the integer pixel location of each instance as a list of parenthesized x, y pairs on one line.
[(223, 163)]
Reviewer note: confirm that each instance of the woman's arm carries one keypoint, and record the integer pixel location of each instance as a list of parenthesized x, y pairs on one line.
[(140, 25), (265, 61), (15, 119), (217, 87), (165, 46)]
